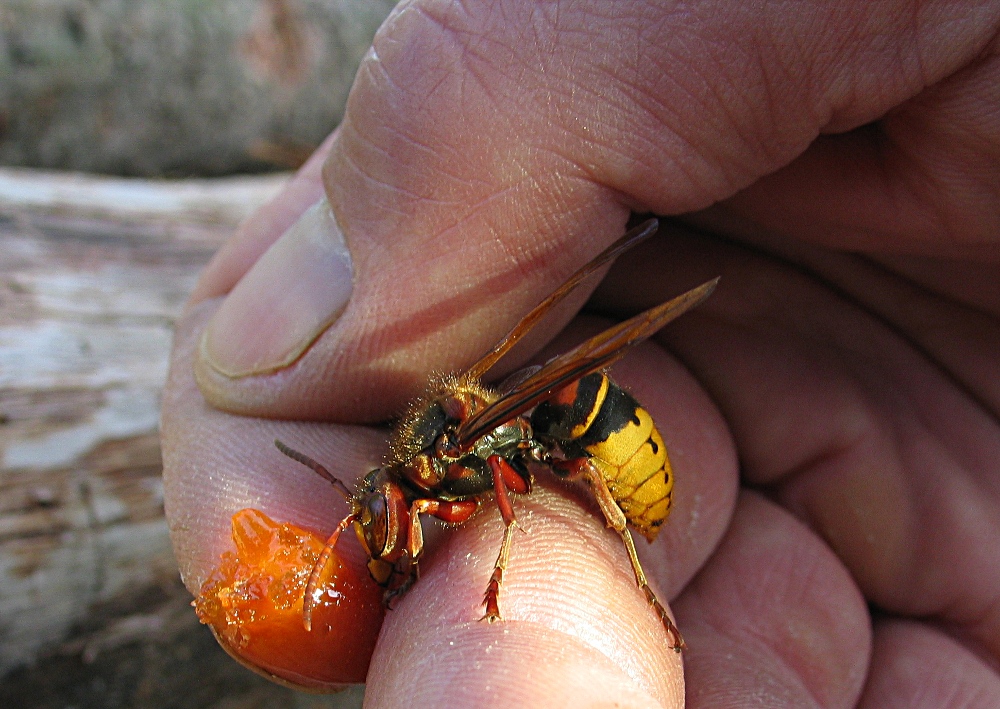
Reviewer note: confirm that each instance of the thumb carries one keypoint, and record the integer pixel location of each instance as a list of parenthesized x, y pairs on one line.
[(411, 259), (340, 316), (487, 151), (326, 325)]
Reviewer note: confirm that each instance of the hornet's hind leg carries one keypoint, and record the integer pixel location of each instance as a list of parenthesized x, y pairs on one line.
[(581, 467)]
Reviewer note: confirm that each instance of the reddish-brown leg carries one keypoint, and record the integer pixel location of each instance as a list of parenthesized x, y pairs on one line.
[(309, 598), (453, 512), (582, 467), (502, 473)]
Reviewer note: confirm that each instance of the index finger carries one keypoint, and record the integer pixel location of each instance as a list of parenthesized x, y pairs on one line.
[(576, 630)]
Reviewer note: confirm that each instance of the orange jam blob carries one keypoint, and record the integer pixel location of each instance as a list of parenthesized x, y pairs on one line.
[(253, 603)]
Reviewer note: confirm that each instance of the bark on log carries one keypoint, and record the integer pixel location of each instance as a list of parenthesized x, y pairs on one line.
[(177, 87), (93, 273)]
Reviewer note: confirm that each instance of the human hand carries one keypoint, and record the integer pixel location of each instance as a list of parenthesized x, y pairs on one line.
[(847, 361)]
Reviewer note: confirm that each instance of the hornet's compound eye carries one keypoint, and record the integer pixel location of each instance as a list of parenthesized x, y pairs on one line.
[(375, 526)]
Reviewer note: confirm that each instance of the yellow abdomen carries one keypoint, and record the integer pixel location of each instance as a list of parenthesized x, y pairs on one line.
[(634, 463)]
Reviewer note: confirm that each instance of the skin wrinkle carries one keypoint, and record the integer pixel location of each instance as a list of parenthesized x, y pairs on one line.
[(374, 182), (391, 88), (724, 95), (920, 64), (400, 138), (525, 176), (437, 200), (918, 186), (857, 44), (790, 658), (393, 336), (945, 137), (978, 293), (831, 273), (662, 108), (372, 67), (574, 619), (483, 87), (543, 49), (652, 159), (660, 112), (721, 100), (987, 616), (971, 621), (908, 649), (432, 90), (926, 419), (855, 522), (736, 176), (526, 264), (903, 455), (775, 149), (539, 259), (835, 278), (875, 314), (521, 260), (845, 439), (443, 16), (496, 102), (863, 51)]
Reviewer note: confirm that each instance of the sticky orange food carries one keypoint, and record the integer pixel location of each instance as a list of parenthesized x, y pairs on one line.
[(253, 603)]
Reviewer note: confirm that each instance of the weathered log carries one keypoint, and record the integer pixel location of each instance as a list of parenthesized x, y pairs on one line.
[(176, 87), (93, 273)]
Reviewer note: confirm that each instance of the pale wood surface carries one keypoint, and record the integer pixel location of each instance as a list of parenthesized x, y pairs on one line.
[(93, 273)]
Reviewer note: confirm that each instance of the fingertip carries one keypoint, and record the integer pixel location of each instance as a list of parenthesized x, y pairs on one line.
[(352, 338), (290, 296), (572, 615), (521, 664), (216, 463)]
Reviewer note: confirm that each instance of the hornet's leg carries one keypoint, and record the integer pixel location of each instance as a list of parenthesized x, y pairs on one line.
[(616, 519), (505, 478), (453, 512), (309, 599)]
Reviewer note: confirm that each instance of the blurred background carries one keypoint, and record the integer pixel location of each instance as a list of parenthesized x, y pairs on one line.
[(134, 136)]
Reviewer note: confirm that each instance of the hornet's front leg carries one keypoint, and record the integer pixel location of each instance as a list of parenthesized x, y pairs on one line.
[(407, 567)]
